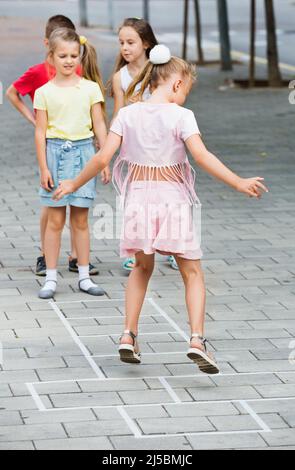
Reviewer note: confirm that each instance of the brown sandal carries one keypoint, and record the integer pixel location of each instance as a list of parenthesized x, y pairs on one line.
[(203, 358), (127, 351)]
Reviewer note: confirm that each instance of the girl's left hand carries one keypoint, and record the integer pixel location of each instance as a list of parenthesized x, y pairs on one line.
[(106, 175), (251, 186), (64, 187)]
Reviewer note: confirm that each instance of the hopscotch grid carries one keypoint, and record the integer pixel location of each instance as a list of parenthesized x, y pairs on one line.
[(111, 316), (170, 390), (118, 334), (163, 380), (254, 415), (164, 404), (139, 435), (96, 369), (145, 354), (186, 376)]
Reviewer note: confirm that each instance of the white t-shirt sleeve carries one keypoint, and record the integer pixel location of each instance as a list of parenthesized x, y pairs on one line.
[(117, 124), (188, 125)]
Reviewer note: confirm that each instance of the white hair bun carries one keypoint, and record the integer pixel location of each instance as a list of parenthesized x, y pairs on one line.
[(160, 54)]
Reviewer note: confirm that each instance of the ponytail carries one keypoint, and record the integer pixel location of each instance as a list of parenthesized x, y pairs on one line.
[(159, 71), (145, 78), (90, 68)]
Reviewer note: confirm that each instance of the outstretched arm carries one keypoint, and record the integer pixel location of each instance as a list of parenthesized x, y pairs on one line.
[(100, 132), (212, 165), (98, 162)]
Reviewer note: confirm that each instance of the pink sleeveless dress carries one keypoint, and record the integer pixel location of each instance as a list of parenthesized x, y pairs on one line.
[(155, 181)]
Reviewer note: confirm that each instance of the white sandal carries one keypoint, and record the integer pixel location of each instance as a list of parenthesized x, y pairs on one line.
[(203, 358), (127, 351)]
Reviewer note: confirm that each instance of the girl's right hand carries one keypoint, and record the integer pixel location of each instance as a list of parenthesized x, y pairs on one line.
[(251, 186), (46, 180)]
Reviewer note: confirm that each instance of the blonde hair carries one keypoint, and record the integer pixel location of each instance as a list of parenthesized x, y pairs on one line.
[(90, 69), (146, 34), (152, 74)]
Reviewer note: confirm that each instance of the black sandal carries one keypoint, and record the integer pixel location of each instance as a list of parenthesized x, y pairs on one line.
[(203, 359), (127, 351)]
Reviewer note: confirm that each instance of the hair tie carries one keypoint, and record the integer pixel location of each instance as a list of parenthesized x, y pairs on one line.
[(160, 54), (83, 40)]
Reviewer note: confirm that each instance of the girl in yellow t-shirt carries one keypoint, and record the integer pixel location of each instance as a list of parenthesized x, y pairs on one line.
[(70, 112)]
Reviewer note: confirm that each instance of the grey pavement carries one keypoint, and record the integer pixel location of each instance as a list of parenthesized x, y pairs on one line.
[(61, 383)]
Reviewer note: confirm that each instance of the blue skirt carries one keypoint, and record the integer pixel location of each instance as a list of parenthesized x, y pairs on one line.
[(65, 160)]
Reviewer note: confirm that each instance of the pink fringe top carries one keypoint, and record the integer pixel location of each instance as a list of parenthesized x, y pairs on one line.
[(153, 149)]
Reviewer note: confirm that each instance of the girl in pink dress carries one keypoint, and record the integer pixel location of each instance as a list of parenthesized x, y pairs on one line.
[(156, 183)]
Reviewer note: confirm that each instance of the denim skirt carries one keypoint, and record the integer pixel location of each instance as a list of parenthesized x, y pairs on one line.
[(65, 160)]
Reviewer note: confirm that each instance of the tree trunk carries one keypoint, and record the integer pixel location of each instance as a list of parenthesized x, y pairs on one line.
[(252, 43), (83, 13), (199, 32), (274, 74), (146, 12), (185, 29), (226, 63)]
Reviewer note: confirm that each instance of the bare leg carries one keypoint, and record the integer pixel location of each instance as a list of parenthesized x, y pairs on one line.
[(135, 292), (73, 252), (43, 225), (80, 233), (195, 295), (55, 225)]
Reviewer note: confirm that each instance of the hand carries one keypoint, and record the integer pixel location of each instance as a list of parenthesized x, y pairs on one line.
[(251, 186), (106, 175), (134, 98), (64, 187), (46, 181)]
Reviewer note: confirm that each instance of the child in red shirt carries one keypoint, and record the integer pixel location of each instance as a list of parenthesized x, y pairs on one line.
[(27, 84)]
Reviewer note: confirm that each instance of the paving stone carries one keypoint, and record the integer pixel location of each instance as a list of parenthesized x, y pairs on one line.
[(160, 443), (219, 442), (102, 428), (201, 409), (224, 393), (94, 443), (23, 445), (35, 417), (68, 400), (175, 425), (10, 418), (235, 423), (284, 436), (30, 432)]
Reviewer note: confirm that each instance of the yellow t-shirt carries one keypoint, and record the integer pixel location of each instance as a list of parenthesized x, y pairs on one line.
[(68, 108)]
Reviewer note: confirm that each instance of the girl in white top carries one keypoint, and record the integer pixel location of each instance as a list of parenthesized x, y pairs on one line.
[(136, 39), (159, 176)]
